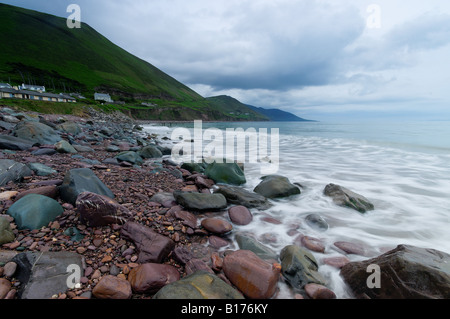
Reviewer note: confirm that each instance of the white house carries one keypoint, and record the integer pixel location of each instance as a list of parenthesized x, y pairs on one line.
[(103, 97), (30, 87)]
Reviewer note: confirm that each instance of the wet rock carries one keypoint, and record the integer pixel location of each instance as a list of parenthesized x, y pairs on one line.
[(316, 222), (312, 243), (216, 225), (194, 167), (351, 248), (406, 272), (5, 287), (182, 254), (254, 277), (111, 287), (12, 171), (9, 269), (315, 291), (200, 201), (34, 211), (44, 274), (299, 267), (14, 143), (337, 262), (200, 285), (275, 186), (195, 265), (249, 243), (41, 169), (346, 198), (36, 132), (240, 196), (240, 215), (6, 233), (227, 173), (81, 180), (150, 151), (187, 218), (152, 247), (217, 242), (130, 157), (150, 277)]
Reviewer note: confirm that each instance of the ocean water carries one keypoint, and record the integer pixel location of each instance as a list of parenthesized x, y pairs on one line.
[(402, 168)]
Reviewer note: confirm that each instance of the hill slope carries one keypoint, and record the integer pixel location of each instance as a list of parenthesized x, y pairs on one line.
[(278, 115), (230, 105)]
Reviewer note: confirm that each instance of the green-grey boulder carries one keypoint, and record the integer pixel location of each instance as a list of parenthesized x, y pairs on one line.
[(199, 285), (12, 171), (6, 233), (36, 132), (150, 151), (69, 127), (240, 196), (193, 167), (299, 267), (81, 180), (130, 157), (227, 173), (276, 186), (200, 201), (65, 147), (34, 211), (9, 142), (41, 169), (249, 243), (346, 198)]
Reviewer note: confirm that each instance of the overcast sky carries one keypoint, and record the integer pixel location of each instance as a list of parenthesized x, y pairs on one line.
[(319, 59)]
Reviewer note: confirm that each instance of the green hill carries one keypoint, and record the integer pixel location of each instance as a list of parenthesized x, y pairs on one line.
[(230, 105)]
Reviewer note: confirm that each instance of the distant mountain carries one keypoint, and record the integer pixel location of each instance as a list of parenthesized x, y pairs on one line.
[(277, 115), (233, 107)]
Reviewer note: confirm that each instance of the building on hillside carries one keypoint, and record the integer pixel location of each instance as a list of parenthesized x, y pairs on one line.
[(103, 97), (11, 93), (5, 86), (30, 87)]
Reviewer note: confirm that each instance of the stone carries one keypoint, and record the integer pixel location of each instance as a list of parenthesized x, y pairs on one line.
[(69, 127), (6, 233), (315, 291), (112, 287), (313, 244), (152, 247), (99, 210), (187, 218), (406, 272), (316, 222), (275, 186), (351, 248), (216, 225), (200, 201), (249, 243), (36, 132), (34, 211), (226, 173), (65, 147), (130, 157), (195, 264), (345, 198), (51, 191), (150, 277), (5, 287), (12, 171), (150, 151), (9, 269), (81, 180), (83, 148), (44, 274), (194, 167), (9, 142), (199, 285), (337, 262), (8, 195), (299, 267), (162, 197), (240, 215), (41, 169), (182, 254), (44, 151), (254, 277)]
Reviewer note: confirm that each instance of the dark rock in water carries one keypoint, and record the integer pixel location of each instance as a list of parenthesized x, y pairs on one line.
[(150, 152), (299, 267), (345, 198), (98, 210), (44, 274), (406, 272), (240, 196), (6, 233), (338, 262), (249, 243), (351, 248), (36, 132), (14, 143), (275, 186), (315, 291), (194, 167), (227, 173), (254, 277), (199, 285), (151, 277), (153, 247), (240, 215), (200, 201), (34, 211), (81, 180), (12, 171), (317, 222)]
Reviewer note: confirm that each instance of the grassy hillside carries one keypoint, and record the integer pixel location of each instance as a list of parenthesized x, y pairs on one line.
[(231, 106), (278, 115)]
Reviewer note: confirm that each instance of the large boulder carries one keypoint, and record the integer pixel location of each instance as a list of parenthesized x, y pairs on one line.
[(227, 173), (130, 157), (36, 132), (12, 171), (200, 201), (14, 143), (346, 198), (81, 180), (240, 215), (6, 233), (199, 285), (299, 267), (406, 272), (112, 287), (34, 211), (276, 186), (44, 274), (69, 127), (254, 277), (152, 247), (150, 151), (151, 277), (98, 210), (65, 147), (240, 196)]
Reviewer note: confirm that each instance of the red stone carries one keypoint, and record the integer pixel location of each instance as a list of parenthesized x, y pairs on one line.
[(150, 277), (240, 215)]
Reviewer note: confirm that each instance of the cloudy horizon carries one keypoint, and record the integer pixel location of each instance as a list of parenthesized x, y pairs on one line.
[(315, 58)]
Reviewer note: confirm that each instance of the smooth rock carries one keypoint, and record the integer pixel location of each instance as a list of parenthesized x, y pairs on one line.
[(130, 157), (254, 277), (351, 248), (10, 142), (41, 169), (337, 262), (346, 198), (65, 147), (240, 215), (36, 132), (12, 171), (200, 201), (69, 127), (226, 173), (8, 195), (249, 243), (6, 233), (51, 191), (316, 222), (315, 291), (275, 186), (216, 225), (313, 244), (150, 151), (150, 277), (9, 269), (5, 287), (112, 287)]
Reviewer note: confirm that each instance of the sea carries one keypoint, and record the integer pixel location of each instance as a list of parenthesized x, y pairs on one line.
[(402, 167)]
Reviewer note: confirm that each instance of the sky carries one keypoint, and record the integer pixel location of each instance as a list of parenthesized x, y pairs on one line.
[(319, 59)]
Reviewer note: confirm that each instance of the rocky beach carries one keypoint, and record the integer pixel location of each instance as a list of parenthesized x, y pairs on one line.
[(93, 207)]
